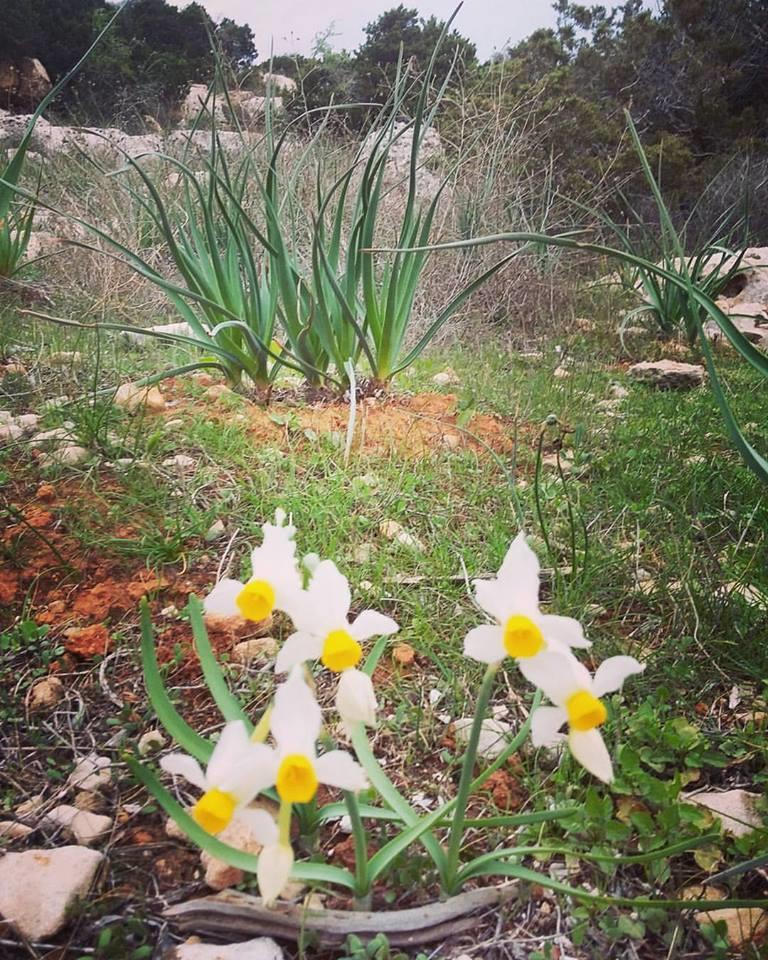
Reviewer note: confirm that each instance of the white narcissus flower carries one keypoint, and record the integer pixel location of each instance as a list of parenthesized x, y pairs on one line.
[(521, 631), (577, 694), (273, 870), (295, 724), (323, 632), (238, 770), (274, 580)]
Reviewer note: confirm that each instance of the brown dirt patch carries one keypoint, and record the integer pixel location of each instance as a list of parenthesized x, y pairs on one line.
[(409, 426)]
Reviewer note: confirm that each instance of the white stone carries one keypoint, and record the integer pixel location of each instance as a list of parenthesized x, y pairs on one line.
[(262, 948), (11, 830), (668, 374), (445, 378), (86, 827), (67, 456), (258, 648), (10, 432), (216, 530), (134, 398), (493, 734), (38, 888), (91, 773), (392, 530), (617, 392), (180, 463), (150, 742), (735, 809), (46, 693)]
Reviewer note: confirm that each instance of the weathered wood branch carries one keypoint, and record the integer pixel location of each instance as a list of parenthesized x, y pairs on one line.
[(231, 915)]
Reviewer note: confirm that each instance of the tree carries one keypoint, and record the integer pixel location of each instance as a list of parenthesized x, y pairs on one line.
[(376, 60)]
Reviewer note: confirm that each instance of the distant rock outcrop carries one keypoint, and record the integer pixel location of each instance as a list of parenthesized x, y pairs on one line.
[(23, 83)]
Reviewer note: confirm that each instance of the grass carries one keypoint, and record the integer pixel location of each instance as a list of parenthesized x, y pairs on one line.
[(656, 537)]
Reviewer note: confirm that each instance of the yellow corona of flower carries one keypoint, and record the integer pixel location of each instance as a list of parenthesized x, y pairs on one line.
[(295, 724), (521, 631), (323, 632), (238, 770), (275, 578), (576, 693)]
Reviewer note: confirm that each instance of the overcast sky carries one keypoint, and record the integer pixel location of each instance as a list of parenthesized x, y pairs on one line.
[(292, 24)]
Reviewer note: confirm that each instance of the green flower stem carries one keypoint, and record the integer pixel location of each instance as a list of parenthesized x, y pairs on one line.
[(362, 881), (284, 823), (391, 795), (465, 783)]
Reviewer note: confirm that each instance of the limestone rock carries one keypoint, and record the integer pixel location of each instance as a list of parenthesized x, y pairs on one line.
[(735, 809), (66, 456), (220, 875), (216, 530), (745, 925), (262, 948), (38, 888), (11, 830), (181, 463), (258, 648), (617, 392), (91, 773), (45, 694), (86, 827), (668, 374), (278, 81), (446, 378), (150, 742), (392, 530), (134, 398), (493, 734)]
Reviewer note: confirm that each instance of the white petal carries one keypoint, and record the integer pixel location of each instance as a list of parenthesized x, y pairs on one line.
[(493, 598), (296, 719), (273, 870), (372, 624), (275, 562), (296, 649), (590, 750), (545, 726), (221, 600), (612, 673), (325, 604), (485, 643), (181, 765), (558, 674), (355, 698), (255, 770), (338, 769), (232, 744), (329, 590), (260, 823), (520, 571), (564, 630)]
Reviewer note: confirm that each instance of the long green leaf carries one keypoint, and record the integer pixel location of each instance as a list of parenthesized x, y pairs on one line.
[(166, 713), (226, 701)]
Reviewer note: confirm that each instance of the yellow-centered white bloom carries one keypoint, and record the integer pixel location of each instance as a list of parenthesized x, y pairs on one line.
[(569, 685), (295, 724), (238, 770), (323, 632), (274, 580), (521, 631)]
